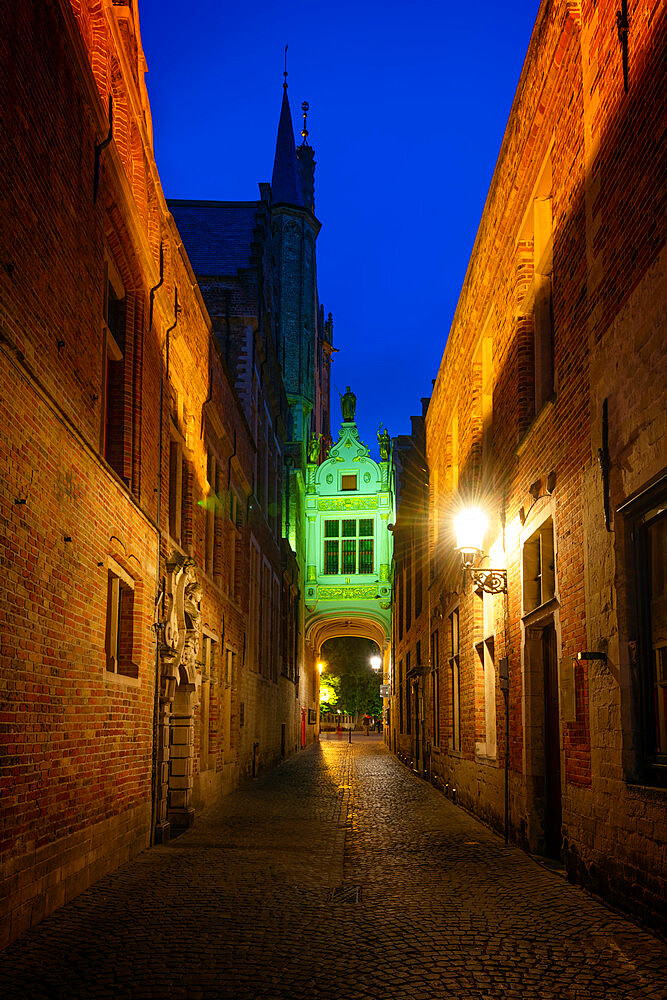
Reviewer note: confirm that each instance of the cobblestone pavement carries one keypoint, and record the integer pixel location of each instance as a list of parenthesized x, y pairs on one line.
[(240, 906)]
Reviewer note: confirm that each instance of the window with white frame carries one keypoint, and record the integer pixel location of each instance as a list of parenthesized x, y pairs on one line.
[(120, 614), (539, 567)]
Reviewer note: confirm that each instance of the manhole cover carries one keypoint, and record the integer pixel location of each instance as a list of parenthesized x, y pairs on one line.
[(346, 894)]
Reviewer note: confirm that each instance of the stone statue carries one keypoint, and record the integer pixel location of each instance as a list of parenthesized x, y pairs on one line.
[(384, 442), (314, 448), (348, 404)]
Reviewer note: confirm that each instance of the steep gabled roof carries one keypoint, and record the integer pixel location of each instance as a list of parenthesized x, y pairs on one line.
[(285, 183), (217, 235)]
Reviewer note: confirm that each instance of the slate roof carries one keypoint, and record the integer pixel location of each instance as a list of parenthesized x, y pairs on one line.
[(216, 234), (285, 183)]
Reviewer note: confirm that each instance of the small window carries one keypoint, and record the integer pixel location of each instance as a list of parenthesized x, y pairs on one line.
[(539, 568), (119, 634), (331, 556), (348, 482), (176, 477), (408, 696), (647, 525), (365, 555), (435, 664), (349, 554), (113, 389)]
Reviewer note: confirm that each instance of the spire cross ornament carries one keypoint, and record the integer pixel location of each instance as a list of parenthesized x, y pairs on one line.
[(304, 131), (285, 73)]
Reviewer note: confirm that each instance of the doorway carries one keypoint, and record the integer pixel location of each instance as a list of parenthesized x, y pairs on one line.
[(180, 812)]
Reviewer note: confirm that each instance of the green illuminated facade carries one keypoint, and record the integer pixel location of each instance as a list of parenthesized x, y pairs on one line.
[(349, 503)]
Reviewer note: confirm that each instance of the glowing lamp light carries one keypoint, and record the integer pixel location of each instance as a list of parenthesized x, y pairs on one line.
[(376, 662), (320, 667), (470, 527)]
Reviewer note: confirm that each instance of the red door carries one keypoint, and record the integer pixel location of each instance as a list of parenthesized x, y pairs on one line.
[(303, 728)]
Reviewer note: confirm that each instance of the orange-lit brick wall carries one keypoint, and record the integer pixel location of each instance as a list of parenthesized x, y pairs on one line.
[(576, 204), (87, 774)]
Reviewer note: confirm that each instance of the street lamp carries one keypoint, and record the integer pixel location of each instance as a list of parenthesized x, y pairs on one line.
[(470, 527), (376, 662), (320, 667)]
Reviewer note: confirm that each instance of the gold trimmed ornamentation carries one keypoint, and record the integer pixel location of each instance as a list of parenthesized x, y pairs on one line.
[(348, 503)]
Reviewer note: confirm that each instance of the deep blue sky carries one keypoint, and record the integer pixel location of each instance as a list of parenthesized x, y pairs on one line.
[(408, 106)]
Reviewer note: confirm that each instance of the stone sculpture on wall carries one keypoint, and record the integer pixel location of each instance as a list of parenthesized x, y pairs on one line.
[(180, 637)]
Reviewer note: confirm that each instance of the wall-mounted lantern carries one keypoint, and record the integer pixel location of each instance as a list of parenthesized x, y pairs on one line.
[(470, 527)]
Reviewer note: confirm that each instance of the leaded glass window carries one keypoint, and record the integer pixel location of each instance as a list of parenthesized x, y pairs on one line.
[(349, 546)]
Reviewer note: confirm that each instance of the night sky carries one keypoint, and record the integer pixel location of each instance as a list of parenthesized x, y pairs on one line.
[(408, 106)]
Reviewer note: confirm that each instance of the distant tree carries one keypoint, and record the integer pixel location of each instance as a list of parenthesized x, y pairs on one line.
[(348, 660), (329, 692)]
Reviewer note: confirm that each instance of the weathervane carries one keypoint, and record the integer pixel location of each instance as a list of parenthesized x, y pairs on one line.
[(285, 73), (304, 131)]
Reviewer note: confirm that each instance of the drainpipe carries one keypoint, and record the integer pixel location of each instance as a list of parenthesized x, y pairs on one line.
[(164, 373), (155, 288), (229, 463)]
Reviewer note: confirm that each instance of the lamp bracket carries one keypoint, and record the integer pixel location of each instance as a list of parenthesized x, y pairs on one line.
[(493, 581)]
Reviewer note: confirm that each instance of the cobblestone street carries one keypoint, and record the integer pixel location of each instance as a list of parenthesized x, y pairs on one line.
[(240, 906)]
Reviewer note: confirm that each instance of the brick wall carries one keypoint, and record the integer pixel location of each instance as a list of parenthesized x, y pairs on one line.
[(581, 150), (86, 782)]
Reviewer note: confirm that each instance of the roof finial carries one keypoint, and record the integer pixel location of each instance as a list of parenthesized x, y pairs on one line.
[(285, 73), (304, 131)]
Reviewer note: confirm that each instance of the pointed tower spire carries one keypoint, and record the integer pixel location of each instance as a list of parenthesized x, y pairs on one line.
[(306, 157), (285, 182)]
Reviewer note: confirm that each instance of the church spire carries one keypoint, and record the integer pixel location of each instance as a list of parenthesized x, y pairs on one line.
[(285, 182)]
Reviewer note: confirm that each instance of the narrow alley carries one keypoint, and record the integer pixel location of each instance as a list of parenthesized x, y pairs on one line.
[(446, 910)]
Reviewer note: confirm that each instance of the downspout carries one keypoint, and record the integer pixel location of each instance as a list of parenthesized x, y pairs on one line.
[(229, 465), (164, 373), (155, 288)]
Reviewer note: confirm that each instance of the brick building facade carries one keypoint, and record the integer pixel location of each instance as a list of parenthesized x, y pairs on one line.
[(140, 499), (549, 413)]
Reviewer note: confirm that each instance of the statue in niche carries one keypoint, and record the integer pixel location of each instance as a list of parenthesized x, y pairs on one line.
[(384, 442), (181, 626), (192, 614), (314, 448), (348, 404)]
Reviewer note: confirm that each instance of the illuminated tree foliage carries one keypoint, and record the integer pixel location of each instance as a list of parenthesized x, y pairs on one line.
[(349, 678)]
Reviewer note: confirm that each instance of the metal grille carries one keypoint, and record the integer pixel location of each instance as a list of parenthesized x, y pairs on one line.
[(346, 894)]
